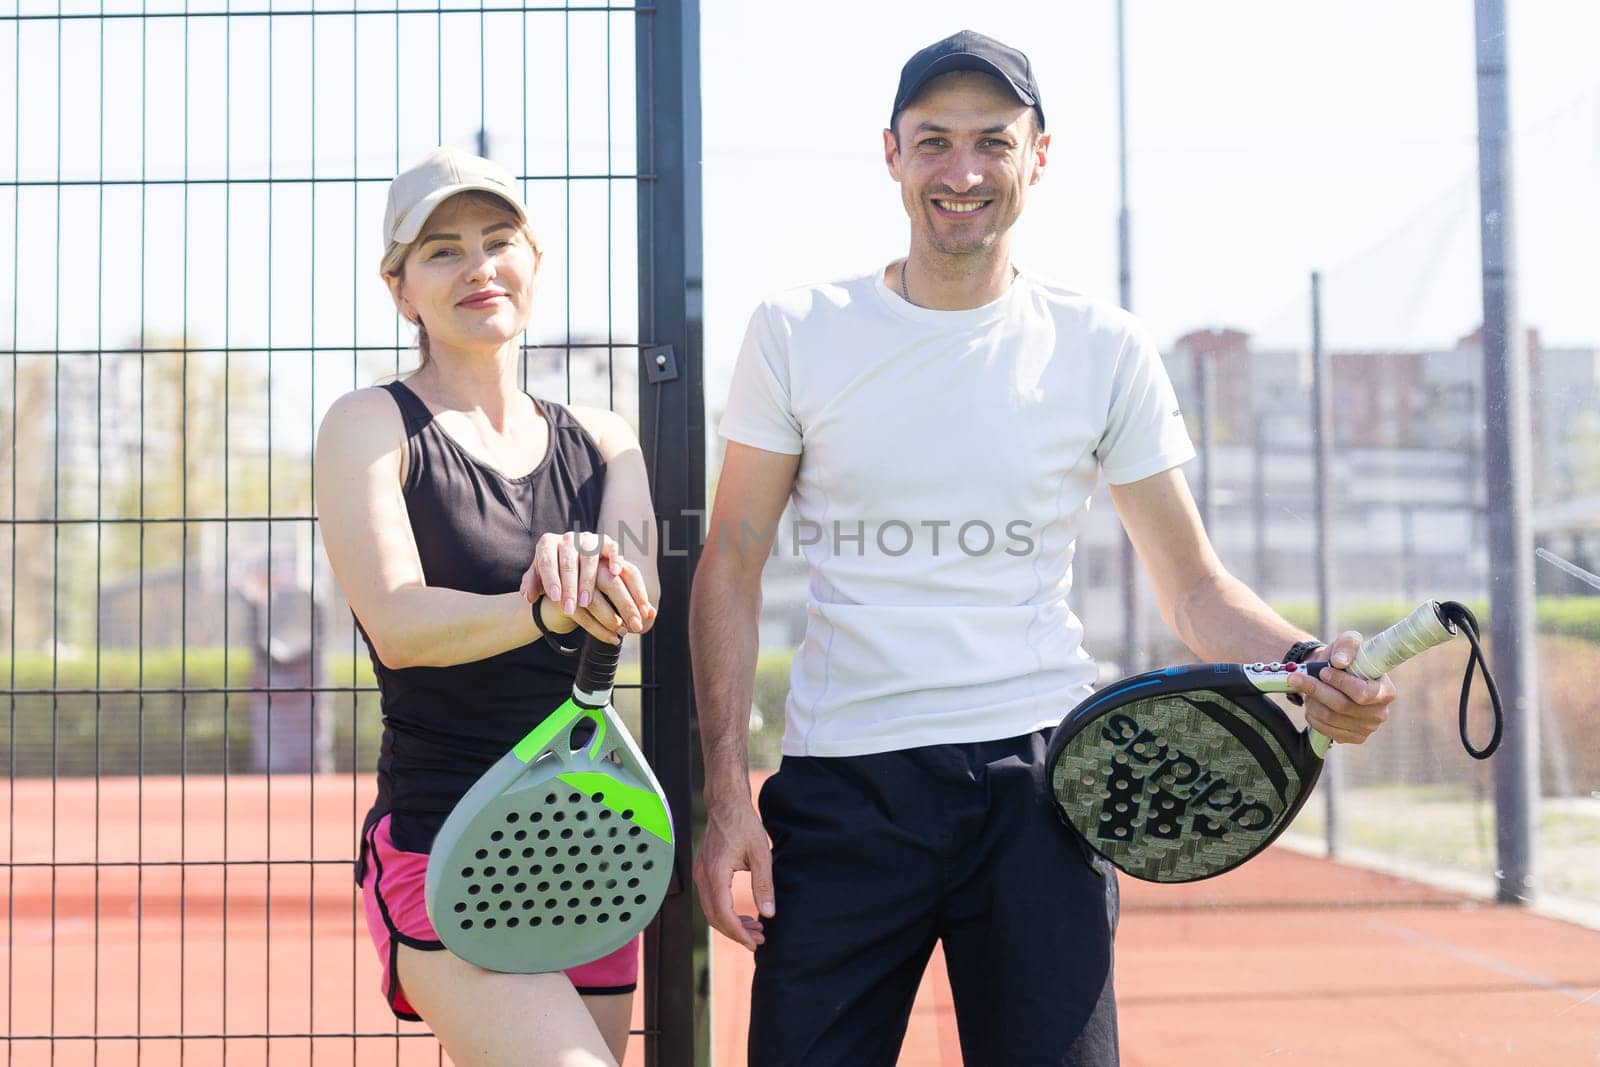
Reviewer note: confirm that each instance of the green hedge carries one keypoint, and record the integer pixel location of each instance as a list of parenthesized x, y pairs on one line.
[(111, 717), (1570, 616), (1566, 616), (75, 727), (76, 733)]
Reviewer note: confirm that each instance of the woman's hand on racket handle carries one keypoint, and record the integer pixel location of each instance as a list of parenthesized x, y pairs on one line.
[(1341, 706), (571, 568), (606, 618), (734, 840)]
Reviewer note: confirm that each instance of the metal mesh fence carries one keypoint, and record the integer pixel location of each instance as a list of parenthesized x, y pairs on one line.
[(191, 195)]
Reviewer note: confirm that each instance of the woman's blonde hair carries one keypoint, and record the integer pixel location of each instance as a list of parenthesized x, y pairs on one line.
[(394, 259)]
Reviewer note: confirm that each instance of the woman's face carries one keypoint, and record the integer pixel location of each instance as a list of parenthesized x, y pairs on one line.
[(469, 276)]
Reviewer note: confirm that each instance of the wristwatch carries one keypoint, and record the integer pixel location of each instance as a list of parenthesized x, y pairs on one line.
[(1301, 649), (1298, 652)]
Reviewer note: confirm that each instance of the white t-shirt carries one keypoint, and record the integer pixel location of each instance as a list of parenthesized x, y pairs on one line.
[(947, 460)]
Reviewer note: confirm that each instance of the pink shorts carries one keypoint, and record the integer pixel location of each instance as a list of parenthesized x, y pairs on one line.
[(397, 914)]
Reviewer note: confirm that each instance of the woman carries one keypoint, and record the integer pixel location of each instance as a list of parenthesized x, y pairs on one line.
[(464, 521)]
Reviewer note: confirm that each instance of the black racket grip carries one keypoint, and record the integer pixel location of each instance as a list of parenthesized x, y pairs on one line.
[(597, 666)]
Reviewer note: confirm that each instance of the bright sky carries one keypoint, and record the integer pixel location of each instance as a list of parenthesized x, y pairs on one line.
[(1266, 139)]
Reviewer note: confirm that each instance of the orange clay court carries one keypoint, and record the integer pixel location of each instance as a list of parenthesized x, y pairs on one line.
[(1289, 960)]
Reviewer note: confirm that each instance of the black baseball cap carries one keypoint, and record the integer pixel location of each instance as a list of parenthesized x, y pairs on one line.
[(968, 50)]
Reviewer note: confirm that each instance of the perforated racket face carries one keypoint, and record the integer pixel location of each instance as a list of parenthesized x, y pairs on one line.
[(562, 875), (1181, 786), (558, 855)]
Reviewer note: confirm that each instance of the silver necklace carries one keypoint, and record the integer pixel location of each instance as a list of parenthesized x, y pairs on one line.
[(905, 294)]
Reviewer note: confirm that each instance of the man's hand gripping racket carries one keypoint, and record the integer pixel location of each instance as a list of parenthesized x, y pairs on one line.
[(562, 851), (1185, 773)]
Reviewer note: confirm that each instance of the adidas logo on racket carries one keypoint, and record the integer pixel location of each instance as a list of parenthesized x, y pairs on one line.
[(1185, 773)]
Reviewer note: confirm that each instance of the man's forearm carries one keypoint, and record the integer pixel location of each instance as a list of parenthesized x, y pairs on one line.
[(1221, 619), (724, 618)]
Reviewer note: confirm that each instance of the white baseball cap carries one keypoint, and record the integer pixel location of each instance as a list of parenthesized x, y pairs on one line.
[(441, 174)]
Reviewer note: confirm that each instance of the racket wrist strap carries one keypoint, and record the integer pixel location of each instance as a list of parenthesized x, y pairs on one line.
[(1461, 617), (1300, 652), (564, 644)]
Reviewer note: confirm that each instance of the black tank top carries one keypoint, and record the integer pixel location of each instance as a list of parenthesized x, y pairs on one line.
[(475, 530)]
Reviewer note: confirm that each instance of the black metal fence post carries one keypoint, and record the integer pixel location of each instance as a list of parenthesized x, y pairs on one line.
[(672, 429)]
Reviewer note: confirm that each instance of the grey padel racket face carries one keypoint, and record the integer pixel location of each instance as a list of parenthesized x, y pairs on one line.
[(1187, 772), (559, 854), (1180, 774)]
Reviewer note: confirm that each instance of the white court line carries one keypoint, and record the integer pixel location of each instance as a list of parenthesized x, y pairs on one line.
[(1478, 885), (1489, 963)]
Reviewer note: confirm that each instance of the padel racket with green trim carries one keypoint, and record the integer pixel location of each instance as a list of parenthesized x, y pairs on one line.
[(562, 851), (1185, 773)]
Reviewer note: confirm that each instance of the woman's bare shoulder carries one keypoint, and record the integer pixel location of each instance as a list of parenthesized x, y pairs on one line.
[(369, 409), (360, 427), (609, 430)]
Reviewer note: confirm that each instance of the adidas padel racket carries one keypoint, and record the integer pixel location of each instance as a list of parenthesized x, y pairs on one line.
[(562, 851), (1185, 773)]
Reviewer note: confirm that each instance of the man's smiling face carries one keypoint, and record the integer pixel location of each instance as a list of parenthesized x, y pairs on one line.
[(966, 152)]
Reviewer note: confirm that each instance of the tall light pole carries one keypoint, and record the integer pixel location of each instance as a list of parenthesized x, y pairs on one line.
[(1505, 469), (1322, 441), (1132, 628), (1205, 401)]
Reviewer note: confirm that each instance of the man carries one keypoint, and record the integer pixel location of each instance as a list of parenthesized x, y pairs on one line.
[(940, 425)]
